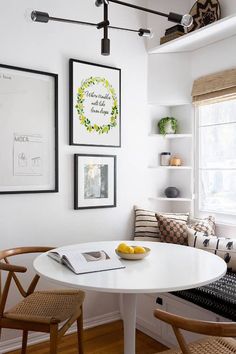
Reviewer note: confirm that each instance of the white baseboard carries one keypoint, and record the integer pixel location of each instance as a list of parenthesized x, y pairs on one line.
[(34, 338)]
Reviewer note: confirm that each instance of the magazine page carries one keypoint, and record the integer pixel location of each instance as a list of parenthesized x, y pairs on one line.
[(91, 261), (56, 255)]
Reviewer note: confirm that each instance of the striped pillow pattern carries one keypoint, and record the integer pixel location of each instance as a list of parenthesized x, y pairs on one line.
[(146, 225)]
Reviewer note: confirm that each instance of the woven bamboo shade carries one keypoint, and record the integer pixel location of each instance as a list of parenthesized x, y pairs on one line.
[(215, 87)]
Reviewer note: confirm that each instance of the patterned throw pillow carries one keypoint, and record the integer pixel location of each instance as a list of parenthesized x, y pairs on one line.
[(221, 246), (172, 231), (146, 225), (206, 225)]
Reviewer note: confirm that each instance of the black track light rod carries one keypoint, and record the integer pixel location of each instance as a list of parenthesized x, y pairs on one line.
[(185, 20), (139, 8), (43, 17)]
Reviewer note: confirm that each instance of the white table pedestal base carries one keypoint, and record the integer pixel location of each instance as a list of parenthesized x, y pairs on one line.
[(129, 318)]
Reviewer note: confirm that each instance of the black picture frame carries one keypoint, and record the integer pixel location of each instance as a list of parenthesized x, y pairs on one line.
[(30, 138), (94, 181), (106, 135)]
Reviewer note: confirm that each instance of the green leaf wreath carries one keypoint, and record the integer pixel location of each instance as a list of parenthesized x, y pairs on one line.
[(100, 129)]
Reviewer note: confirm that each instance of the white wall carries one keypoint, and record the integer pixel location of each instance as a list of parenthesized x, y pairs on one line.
[(213, 58), (49, 219)]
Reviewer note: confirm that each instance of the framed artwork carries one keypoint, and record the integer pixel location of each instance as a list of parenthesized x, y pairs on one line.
[(94, 181), (95, 107), (28, 130)]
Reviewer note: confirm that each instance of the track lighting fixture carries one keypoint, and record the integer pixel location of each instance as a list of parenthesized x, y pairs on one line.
[(184, 20), (145, 33), (43, 17)]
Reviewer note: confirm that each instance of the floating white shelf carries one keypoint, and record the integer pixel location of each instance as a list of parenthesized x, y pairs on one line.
[(164, 199), (172, 136), (171, 167), (212, 33)]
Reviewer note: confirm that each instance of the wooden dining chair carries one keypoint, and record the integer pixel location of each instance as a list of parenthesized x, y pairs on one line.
[(216, 343), (52, 311)]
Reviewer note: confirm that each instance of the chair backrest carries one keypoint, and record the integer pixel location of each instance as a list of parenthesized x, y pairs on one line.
[(219, 329), (12, 269)]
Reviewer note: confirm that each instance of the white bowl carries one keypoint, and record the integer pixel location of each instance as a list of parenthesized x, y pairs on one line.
[(134, 256)]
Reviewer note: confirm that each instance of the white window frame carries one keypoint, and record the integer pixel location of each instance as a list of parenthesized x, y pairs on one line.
[(221, 218)]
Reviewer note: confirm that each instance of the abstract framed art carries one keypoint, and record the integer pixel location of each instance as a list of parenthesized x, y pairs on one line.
[(28, 130), (95, 104), (94, 181)]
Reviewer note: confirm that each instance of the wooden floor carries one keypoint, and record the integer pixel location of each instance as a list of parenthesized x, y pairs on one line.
[(105, 339)]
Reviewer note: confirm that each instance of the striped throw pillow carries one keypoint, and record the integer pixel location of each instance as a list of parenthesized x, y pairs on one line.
[(146, 226)]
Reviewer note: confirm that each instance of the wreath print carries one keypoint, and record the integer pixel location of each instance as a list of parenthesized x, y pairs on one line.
[(100, 129)]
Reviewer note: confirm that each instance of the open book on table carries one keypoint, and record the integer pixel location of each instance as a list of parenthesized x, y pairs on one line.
[(86, 261)]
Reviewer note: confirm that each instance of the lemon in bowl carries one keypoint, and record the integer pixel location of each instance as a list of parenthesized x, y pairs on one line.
[(132, 252)]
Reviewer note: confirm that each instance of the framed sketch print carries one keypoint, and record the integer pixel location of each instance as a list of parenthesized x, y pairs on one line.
[(95, 117), (28, 131), (95, 181)]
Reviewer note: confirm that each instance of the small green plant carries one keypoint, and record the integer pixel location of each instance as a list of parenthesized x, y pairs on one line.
[(168, 125)]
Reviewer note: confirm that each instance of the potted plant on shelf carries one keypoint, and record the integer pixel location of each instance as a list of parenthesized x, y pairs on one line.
[(167, 125)]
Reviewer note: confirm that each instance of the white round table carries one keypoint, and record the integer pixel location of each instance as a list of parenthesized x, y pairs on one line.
[(168, 268)]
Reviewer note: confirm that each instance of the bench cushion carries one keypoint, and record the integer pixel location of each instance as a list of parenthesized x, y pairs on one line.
[(218, 297)]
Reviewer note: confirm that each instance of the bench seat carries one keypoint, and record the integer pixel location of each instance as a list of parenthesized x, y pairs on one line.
[(218, 297)]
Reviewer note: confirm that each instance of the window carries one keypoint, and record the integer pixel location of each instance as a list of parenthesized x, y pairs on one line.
[(216, 158)]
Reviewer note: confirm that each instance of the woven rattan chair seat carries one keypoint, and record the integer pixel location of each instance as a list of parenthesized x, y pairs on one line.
[(209, 345), (47, 306)]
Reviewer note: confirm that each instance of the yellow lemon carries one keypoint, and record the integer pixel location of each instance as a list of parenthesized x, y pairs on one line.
[(139, 249), (131, 250), (126, 249), (123, 248)]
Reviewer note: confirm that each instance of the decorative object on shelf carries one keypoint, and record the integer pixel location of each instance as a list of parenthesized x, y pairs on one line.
[(168, 125), (29, 130), (43, 17), (94, 104), (175, 161), (165, 158), (174, 29), (204, 12), (94, 181), (172, 192), (171, 36), (172, 33)]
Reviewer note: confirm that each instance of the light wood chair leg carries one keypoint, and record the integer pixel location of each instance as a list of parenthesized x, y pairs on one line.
[(80, 334), (24, 342), (53, 339)]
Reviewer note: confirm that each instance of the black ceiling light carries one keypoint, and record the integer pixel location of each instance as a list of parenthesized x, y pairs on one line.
[(43, 17)]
